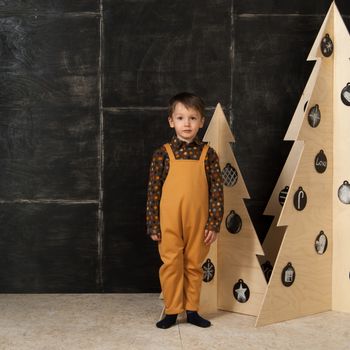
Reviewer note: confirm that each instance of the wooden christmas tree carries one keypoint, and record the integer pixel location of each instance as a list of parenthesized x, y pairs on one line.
[(239, 283), (311, 272)]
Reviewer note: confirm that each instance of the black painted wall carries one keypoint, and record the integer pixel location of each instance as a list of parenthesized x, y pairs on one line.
[(84, 88)]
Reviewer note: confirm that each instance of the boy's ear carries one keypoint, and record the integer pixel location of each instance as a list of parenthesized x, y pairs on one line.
[(202, 122), (171, 122)]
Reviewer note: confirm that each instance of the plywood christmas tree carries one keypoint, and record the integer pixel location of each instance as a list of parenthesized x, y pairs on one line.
[(311, 272), (239, 282)]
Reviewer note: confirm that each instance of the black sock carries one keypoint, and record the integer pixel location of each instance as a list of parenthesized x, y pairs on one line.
[(167, 321), (194, 318)]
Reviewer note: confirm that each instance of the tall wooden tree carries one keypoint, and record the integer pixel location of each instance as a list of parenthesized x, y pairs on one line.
[(311, 272), (239, 283)]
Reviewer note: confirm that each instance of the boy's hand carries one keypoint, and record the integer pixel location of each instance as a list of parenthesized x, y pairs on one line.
[(209, 237), (156, 237)]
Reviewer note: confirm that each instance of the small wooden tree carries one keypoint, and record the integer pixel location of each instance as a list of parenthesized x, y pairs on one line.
[(311, 272), (239, 283)]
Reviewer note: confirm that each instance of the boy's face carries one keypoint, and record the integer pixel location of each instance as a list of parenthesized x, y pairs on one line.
[(186, 121)]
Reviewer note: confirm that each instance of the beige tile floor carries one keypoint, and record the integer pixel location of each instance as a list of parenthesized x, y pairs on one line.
[(127, 321)]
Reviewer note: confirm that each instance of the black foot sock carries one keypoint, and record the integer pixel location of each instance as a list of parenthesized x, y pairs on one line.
[(167, 321), (194, 318)]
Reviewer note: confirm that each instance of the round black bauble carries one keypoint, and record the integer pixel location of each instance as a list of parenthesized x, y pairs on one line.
[(321, 243), (233, 222), (345, 95), (229, 175), (283, 194), (320, 162), (208, 271), (241, 291), (344, 192), (314, 116), (327, 46), (288, 275), (300, 199)]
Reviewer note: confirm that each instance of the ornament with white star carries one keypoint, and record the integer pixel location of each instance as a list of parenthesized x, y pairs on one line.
[(241, 291)]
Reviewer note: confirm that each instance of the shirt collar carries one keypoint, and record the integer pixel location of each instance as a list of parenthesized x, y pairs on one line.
[(177, 143)]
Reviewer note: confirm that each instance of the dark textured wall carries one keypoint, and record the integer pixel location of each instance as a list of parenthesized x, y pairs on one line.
[(84, 87)]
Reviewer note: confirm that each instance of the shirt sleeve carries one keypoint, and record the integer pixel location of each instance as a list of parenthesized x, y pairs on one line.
[(154, 192), (216, 192)]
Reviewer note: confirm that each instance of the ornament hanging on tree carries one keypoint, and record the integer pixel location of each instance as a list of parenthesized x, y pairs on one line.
[(327, 46), (233, 222), (344, 192), (300, 199), (208, 271), (321, 243), (321, 162), (288, 275), (314, 116), (345, 95), (283, 194), (229, 175), (241, 291)]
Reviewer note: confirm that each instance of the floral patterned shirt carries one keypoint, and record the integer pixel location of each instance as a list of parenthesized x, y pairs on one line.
[(159, 170)]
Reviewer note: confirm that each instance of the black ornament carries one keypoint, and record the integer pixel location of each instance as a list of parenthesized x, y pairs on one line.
[(327, 46), (267, 269), (288, 275), (314, 116), (229, 175), (345, 95), (241, 291), (344, 192), (233, 222), (321, 162), (321, 243), (300, 199), (208, 271), (283, 194), (305, 105)]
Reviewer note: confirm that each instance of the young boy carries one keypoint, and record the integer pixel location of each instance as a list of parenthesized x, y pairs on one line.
[(184, 209)]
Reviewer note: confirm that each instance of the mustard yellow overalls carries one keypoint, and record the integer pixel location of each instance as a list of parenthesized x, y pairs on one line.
[(183, 216)]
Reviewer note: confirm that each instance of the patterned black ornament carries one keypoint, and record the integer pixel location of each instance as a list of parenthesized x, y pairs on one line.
[(241, 291), (345, 95), (233, 222), (229, 175), (321, 243), (300, 199), (321, 162), (267, 269), (327, 46), (314, 116), (344, 192), (288, 275), (208, 271), (283, 194)]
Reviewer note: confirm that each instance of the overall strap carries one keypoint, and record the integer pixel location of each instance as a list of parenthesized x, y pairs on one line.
[(169, 151), (204, 152)]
